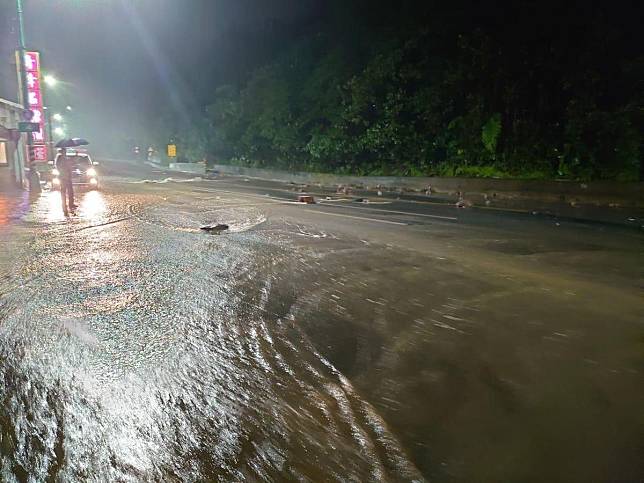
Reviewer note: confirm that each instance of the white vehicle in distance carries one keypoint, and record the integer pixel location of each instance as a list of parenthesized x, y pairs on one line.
[(84, 172)]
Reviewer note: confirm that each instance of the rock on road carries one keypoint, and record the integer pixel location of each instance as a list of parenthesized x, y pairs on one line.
[(341, 341)]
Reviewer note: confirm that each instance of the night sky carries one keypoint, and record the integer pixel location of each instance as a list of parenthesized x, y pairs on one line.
[(123, 63), (120, 59)]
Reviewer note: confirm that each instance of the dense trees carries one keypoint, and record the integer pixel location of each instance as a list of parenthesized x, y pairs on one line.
[(531, 89)]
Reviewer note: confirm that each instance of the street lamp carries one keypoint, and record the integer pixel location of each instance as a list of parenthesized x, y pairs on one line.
[(50, 80), (69, 108)]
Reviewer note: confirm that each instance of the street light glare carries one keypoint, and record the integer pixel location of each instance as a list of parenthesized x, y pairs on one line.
[(50, 80), (59, 131), (69, 108), (57, 117)]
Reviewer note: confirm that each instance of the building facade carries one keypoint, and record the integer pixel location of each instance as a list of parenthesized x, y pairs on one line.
[(12, 145)]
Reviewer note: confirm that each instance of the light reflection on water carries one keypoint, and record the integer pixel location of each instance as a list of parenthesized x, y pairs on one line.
[(48, 208), (12, 206), (92, 205), (150, 354)]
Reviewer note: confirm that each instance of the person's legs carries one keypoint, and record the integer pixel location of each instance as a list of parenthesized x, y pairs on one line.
[(63, 195), (70, 192)]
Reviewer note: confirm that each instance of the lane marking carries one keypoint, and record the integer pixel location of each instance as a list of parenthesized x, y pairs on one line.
[(241, 205), (274, 200), (269, 198), (324, 202), (378, 220), (451, 218)]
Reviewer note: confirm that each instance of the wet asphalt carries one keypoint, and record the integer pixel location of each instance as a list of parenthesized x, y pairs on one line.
[(393, 340)]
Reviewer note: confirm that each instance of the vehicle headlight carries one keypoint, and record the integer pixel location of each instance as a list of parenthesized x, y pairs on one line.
[(93, 181), (55, 181), (91, 172), (55, 172)]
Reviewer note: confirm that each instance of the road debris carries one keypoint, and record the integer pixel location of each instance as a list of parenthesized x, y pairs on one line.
[(463, 204), (308, 199), (215, 229)]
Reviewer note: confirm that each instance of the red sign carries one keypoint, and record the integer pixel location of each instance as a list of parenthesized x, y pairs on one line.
[(34, 98), (40, 152)]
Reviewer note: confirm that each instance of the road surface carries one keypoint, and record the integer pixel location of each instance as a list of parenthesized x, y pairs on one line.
[(342, 341)]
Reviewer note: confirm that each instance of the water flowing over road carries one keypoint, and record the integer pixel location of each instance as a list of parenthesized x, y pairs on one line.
[(305, 345)]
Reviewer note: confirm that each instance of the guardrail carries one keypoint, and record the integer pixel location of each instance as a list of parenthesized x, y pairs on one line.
[(196, 168)]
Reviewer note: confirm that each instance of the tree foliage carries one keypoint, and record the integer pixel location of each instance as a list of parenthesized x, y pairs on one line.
[(511, 89)]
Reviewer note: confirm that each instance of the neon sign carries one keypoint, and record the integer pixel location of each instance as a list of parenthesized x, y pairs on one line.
[(34, 98)]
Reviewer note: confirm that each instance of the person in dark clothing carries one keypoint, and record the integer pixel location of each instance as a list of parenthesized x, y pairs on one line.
[(65, 165)]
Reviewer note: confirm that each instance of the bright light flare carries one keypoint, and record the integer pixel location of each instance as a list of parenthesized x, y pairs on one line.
[(59, 131), (93, 205), (50, 80), (91, 172), (58, 117)]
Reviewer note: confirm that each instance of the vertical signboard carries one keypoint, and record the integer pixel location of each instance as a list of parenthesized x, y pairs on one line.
[(34, 97)]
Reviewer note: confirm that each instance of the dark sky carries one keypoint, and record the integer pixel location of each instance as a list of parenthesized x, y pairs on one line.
[(120, 59)]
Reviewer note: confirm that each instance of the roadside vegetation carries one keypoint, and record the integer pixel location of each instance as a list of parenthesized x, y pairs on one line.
[(447, 89)]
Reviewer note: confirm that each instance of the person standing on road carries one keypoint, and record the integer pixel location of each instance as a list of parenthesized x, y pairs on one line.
[(64, 165)]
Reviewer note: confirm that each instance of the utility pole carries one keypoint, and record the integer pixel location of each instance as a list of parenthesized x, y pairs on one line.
[(34, 179), (22, 49), (50, 150)]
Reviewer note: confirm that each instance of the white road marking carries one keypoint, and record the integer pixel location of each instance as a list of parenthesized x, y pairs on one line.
[(451, 218), (250, 195), (334, 203), (274, 200), (378, 220), (242, 205)]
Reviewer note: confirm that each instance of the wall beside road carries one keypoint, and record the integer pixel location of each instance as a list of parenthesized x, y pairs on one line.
[(12, 143), (505, 193), (196, 168)]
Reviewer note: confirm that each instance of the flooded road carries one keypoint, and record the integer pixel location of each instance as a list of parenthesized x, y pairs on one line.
[(306, 345)]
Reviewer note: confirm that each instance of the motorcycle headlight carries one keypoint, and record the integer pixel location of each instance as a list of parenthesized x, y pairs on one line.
[(55, 181), (91, 172), (55, 172)]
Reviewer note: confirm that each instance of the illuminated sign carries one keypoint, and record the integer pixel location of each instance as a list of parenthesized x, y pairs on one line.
[(38, 152), (34, 98), (172, 150)]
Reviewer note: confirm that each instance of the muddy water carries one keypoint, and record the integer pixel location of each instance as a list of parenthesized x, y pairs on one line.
[(134, 349), (487, 375)]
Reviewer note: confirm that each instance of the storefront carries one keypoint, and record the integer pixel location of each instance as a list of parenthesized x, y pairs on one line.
[(12, 146)]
